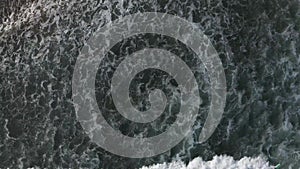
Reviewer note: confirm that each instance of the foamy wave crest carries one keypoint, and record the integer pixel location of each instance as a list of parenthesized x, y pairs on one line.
[(218, 162)]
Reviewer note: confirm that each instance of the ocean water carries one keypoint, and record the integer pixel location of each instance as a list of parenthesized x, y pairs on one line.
[(257, 42), (218, 162)]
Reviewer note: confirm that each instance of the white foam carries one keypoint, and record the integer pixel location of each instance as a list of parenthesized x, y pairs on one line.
[(218, 162)]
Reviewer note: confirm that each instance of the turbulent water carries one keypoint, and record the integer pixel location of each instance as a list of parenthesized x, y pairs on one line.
[(218, 162), (258, 44)]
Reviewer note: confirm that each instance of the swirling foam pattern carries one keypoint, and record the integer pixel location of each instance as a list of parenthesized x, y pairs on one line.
[(40, 40)]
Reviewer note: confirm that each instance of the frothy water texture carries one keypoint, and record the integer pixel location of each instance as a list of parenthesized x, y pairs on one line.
[(257, 42), (218, 162)]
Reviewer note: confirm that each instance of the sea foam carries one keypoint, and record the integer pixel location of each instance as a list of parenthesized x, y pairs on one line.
[(218, 162)]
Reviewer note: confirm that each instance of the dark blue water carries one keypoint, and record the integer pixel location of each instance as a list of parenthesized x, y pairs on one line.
[(258, 44)]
